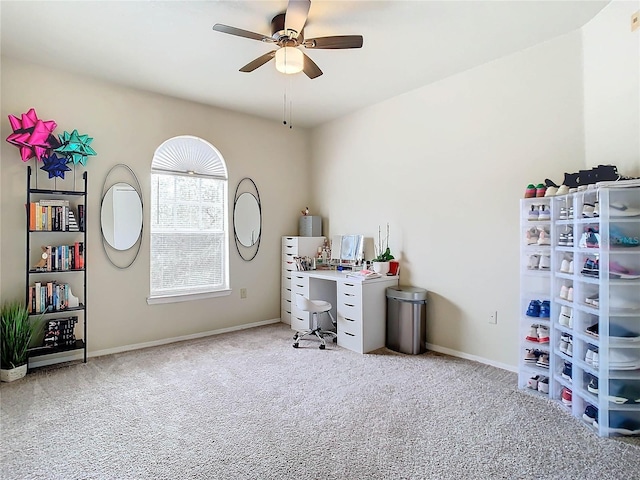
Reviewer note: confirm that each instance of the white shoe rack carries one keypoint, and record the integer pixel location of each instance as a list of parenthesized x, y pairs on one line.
[(535, 285), (616, 306)]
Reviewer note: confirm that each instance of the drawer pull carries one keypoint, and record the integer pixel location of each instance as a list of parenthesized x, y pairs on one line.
[(349, 294), (350, 334), (350, 284), (298, 285), (349, 319), (349, 305)]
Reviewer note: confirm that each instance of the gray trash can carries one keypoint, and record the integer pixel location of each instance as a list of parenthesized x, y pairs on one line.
[(406, 319)]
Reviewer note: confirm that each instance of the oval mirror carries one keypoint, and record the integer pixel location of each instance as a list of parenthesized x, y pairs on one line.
[(246, 219), (121, 216)]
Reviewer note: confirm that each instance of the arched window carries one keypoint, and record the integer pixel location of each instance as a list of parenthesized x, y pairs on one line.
[(189, 224)]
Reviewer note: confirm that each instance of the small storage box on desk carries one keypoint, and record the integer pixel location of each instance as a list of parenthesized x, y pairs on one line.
[(56, 277)]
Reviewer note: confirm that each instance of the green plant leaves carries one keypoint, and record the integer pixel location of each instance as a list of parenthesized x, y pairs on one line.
[(16, 332)]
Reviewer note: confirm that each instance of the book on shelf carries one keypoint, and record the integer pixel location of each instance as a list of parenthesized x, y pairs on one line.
[(81, 217), (49, 215), (51, 297), (61, 258), (364, 275)]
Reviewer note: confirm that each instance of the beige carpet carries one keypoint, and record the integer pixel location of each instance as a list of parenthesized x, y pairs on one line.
[(246, 405)]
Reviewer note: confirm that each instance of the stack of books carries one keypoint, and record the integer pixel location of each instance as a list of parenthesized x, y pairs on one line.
[(59, 332)]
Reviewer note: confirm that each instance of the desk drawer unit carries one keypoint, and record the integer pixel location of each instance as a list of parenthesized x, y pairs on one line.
[(294, 247), (349, 308), (361, 308), (299, 286)]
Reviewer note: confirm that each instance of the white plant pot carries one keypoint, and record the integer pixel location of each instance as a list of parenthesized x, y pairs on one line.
[(381, 267), (12, 374)]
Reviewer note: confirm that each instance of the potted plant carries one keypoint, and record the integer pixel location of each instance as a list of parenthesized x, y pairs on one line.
[(383, 254), (16, 333)]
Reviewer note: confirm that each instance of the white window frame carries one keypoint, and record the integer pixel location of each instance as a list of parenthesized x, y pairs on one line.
[(192, 156)]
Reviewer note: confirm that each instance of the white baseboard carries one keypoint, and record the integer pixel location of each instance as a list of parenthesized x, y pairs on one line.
[(164, 341), (475, 358)]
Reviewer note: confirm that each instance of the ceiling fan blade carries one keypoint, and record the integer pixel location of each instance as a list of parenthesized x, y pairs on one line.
[(258, 62), (296, 15), (310, 69), (218, 27), (335, 42)]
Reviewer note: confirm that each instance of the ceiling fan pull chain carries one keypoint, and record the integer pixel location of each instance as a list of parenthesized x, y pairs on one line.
[(284, 109)]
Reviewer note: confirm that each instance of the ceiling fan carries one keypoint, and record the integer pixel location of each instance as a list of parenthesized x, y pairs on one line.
[(287, 32)]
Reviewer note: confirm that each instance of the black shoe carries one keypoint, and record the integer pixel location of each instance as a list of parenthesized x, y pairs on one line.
[(606, 173), (549, 183), (586, 177), (571, 180)]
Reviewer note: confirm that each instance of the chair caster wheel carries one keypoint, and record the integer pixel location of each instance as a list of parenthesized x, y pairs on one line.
[(321, 347), (295, 345)]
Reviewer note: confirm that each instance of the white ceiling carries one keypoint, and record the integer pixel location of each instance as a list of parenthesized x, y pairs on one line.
[(170, 47)]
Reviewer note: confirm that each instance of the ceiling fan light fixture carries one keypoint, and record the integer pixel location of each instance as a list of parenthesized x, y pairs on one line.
[(289, 60)]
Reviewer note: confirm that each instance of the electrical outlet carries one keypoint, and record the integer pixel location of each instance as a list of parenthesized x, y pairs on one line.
[(243, 293), (635, 21), (493, 318)]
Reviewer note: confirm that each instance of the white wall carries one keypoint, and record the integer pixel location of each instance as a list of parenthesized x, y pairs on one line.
[(612, 88), (127, 126), (446, 166)]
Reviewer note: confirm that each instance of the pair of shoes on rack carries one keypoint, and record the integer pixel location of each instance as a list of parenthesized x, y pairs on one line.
[(566, 396), (566, 316), (538, 308), (537, 357), (533, 191), (566, 266), (539, 213), (565, 239), (566, 293), (591, 357), (566, 344), (539, 261), (538, 235), (590, 414), (590, 238), (539, 383), (567, 371), (591, 267), (538, 334)]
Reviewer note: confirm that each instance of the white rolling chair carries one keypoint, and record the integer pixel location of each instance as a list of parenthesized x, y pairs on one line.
[(315, 307)]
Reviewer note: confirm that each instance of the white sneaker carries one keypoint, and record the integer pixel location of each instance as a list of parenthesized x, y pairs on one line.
[(543, 237), (545, 262), (570, 349), (588, 358), (543, 385), (534, 261), (532, 236), (570, 294), (563, 292), (564, 266), (532, 336), (565, 316), (544, 213), (543, 334), (571, 267), (534, 213)]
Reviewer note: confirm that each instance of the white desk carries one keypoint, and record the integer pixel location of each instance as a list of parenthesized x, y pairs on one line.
[(358, 307)]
